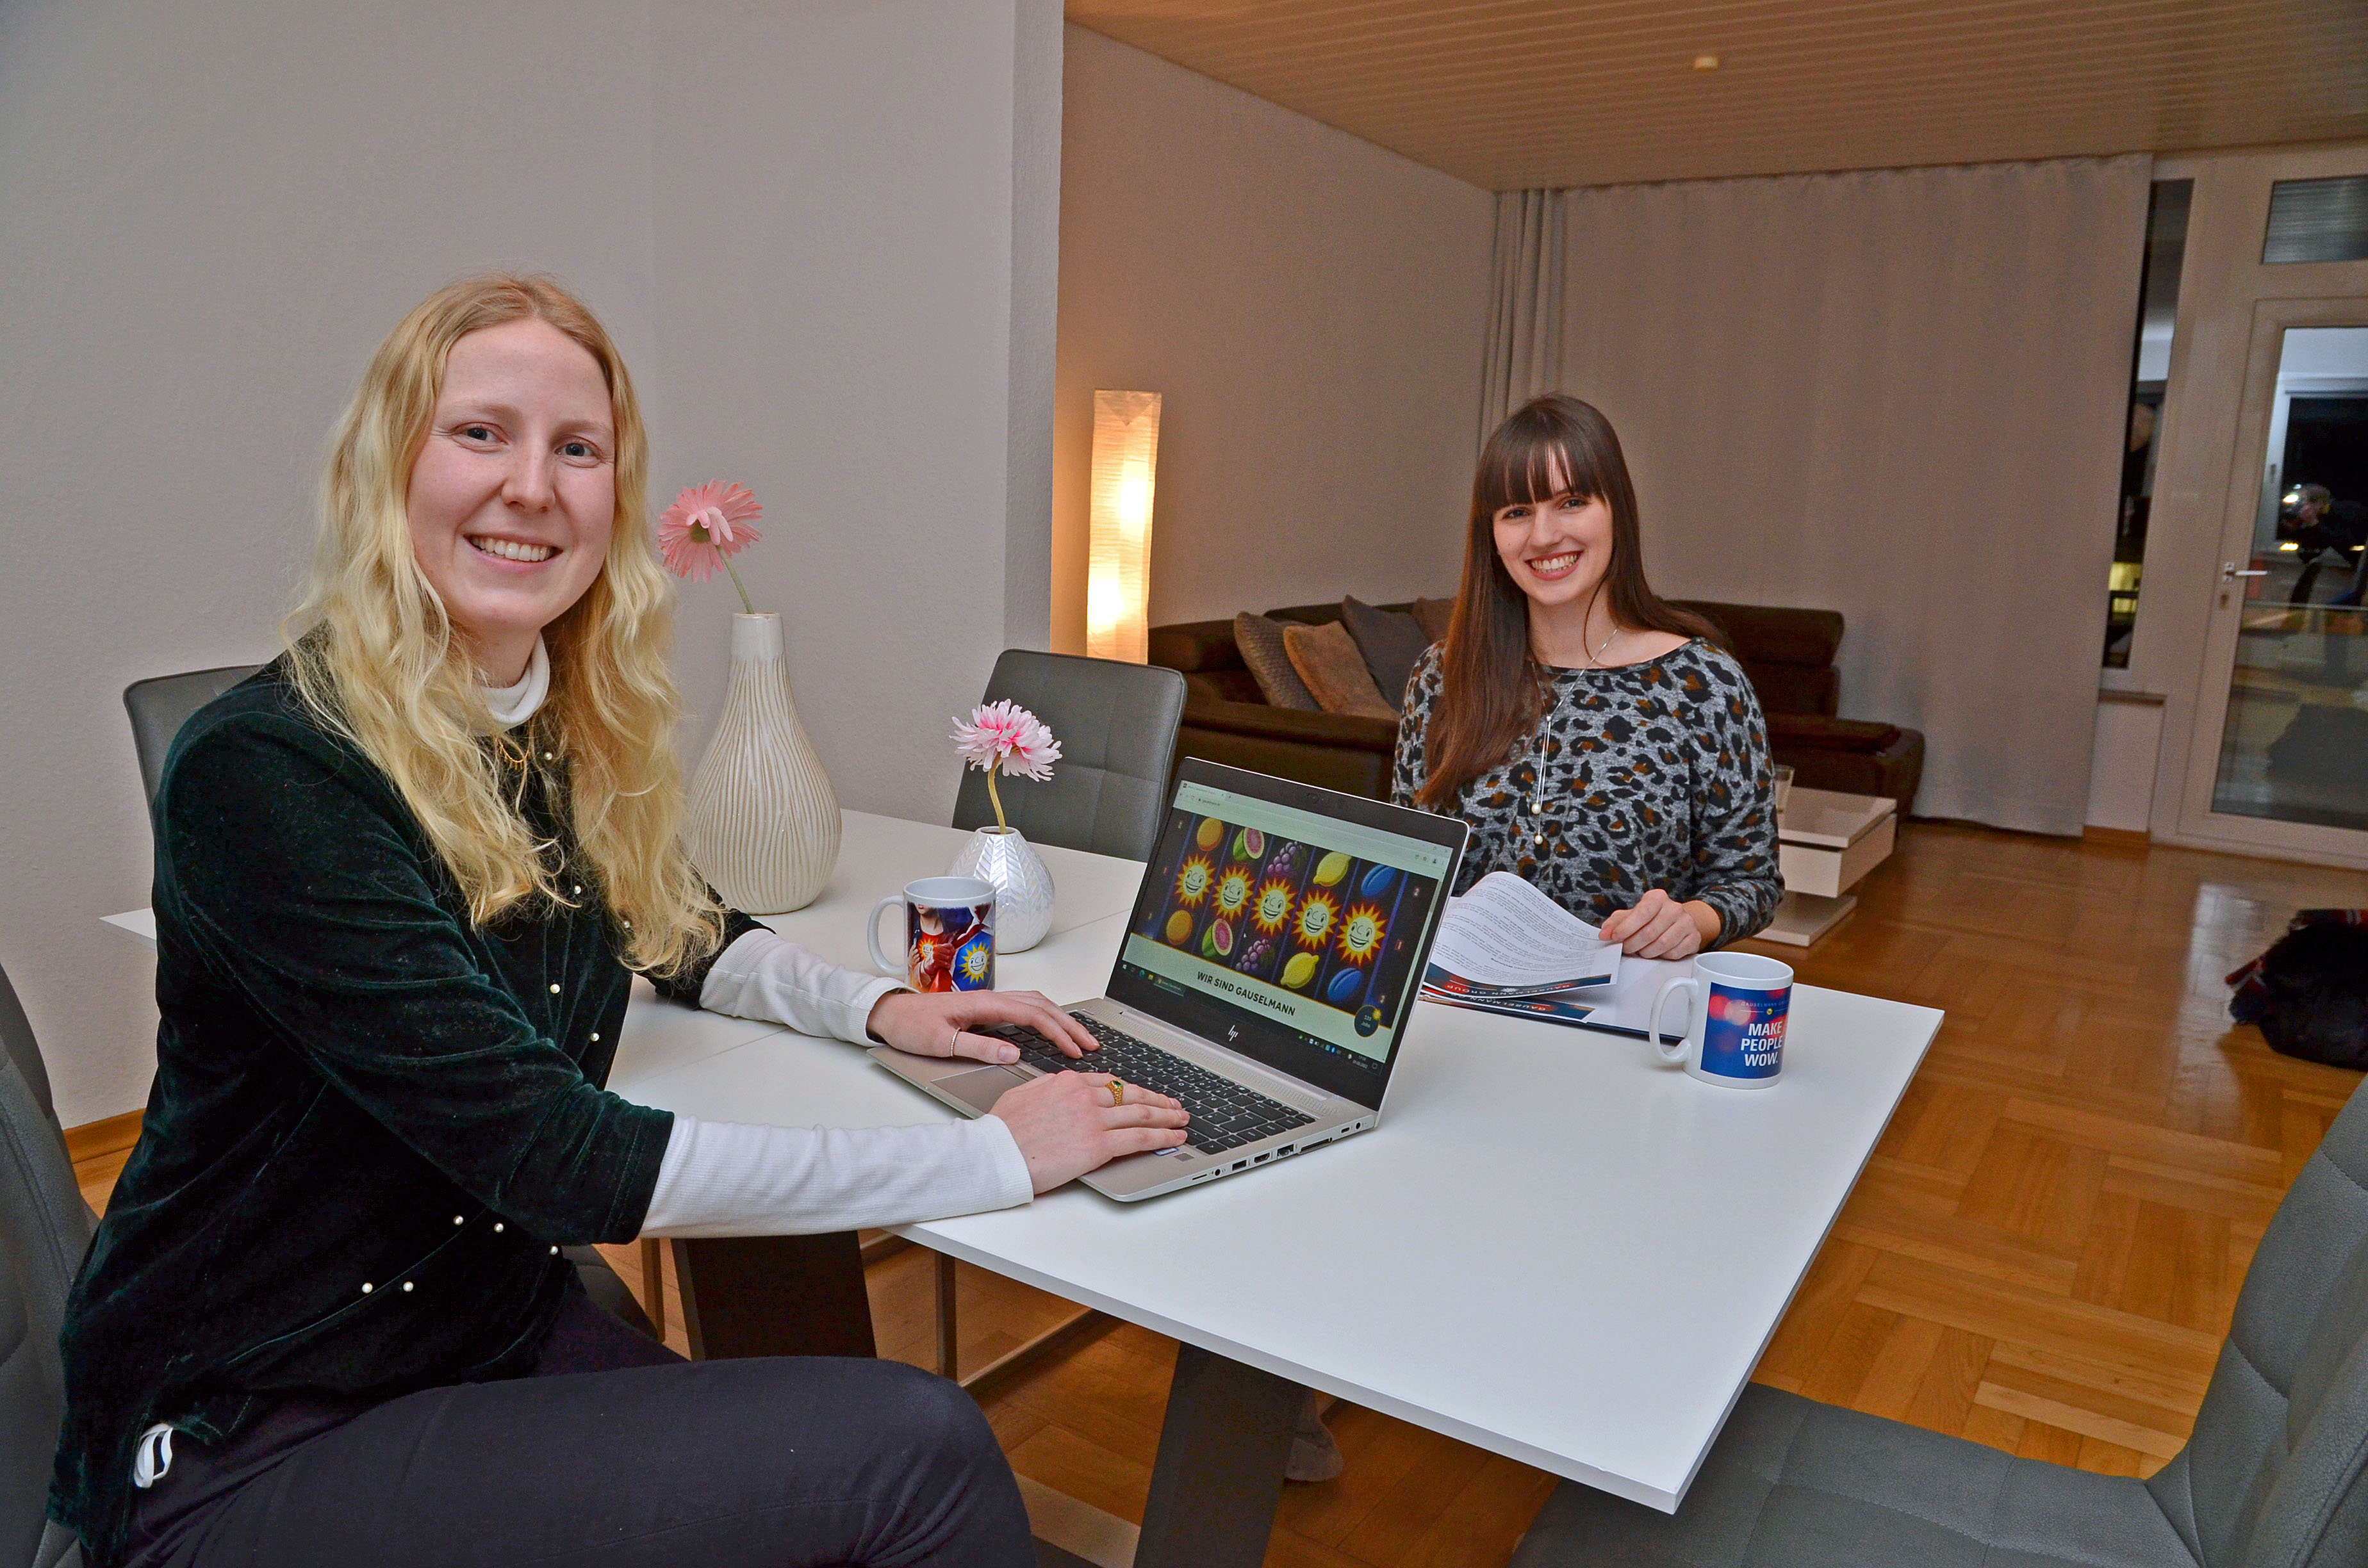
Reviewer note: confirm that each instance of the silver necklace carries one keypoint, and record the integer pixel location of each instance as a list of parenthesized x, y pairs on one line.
[(1538, 767)]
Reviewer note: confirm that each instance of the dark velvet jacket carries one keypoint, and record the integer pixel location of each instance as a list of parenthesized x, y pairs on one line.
[(373, 1125)]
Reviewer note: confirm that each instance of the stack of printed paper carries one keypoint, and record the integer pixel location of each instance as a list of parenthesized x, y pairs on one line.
[(1506, 947)]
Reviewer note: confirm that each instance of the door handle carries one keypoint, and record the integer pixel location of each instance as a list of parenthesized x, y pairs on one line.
[(2228, 573)]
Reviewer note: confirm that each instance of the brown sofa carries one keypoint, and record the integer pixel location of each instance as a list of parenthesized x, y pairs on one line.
[(1789, 654)]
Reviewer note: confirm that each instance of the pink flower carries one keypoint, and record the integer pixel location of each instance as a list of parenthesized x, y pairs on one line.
[(706, 523), (999, 734)]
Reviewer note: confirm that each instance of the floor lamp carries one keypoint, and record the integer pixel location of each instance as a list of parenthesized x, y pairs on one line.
[(1118, 569)]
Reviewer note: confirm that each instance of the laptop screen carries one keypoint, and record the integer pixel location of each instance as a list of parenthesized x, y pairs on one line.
[(1289, 922)]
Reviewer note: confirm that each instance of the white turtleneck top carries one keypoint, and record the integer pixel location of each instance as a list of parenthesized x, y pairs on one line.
[(513, 705), (722, 1178)]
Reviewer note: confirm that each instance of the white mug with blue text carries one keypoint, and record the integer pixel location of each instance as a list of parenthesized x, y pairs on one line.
[(1735, 1020)]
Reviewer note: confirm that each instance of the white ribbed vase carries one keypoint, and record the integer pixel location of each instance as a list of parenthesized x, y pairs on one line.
[(762, 822), (1023, 885)]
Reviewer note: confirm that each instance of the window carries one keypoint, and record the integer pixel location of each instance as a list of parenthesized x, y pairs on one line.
[(2165, 246), (2316, 220)]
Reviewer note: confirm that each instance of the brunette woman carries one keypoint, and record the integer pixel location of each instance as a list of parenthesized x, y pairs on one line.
[(1600, 742), (405, 877)]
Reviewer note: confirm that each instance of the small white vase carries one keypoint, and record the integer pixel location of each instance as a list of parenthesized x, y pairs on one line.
[(761, 820), (1023, 886)]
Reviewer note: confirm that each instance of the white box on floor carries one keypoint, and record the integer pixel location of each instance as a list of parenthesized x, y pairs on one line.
[(1826, 842)]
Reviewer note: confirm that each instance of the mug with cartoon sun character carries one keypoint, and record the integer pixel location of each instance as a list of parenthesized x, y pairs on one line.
[(948, 934)]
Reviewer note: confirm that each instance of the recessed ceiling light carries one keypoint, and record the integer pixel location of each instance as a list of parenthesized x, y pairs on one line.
[(1705, 62)]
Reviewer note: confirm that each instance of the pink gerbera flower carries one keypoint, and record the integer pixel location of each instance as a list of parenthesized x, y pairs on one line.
[(707, 524), (1002, 737)]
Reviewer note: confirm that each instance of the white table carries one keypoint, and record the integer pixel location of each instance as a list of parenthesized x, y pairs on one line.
[(1826, 841), (1553, 1246)]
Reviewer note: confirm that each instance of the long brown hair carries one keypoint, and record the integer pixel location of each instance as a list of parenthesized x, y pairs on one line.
[(1491, 690)]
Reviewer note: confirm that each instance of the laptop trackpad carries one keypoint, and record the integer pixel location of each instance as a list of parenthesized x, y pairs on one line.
[(980, 1088)]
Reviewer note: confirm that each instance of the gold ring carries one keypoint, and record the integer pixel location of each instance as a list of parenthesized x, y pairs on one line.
[(1118, 1092)]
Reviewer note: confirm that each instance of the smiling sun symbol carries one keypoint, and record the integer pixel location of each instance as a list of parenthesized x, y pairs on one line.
[(1361, 933), (1192, 881), (975, 962), (1315, 917), (1232, 894), (1273, 907)]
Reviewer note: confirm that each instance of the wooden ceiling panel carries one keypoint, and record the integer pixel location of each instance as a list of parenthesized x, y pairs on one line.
[(1514, 94)]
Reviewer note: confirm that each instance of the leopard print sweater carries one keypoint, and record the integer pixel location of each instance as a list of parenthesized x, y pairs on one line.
[(1656, 776)]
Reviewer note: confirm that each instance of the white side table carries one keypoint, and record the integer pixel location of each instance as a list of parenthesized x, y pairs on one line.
[(1825, 843)]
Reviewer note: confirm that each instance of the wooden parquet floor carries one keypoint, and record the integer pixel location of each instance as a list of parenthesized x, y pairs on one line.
[(2045, 1248), (2041, 1255)]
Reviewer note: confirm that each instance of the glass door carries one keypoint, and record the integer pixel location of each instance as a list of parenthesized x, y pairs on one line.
[(2282, 755)]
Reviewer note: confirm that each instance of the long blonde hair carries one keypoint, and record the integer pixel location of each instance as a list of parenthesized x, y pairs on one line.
[(375, 658)]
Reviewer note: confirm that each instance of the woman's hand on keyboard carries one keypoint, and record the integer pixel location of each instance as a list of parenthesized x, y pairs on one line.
[(937, 1023), (1066, 1125)]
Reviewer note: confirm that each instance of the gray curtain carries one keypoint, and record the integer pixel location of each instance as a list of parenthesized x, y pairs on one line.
[(1898, 395), (1524, 356)]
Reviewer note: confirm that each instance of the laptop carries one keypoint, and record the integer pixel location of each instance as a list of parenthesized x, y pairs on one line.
[(1265, 980)]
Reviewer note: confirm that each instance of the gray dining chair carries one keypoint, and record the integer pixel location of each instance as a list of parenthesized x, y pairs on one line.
[(1116, 724), (2275, 1471), (45, 1227), (160, 705)]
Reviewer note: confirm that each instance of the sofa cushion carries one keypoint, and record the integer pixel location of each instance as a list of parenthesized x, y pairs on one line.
[(1788, 653), (1770, 634), (1327, 659), (1349, 731), (1260, 643), (1224, 685), (1390, 639), (1831, 734), (1795, 688), (1435, 615), (1331, 751), (1893, 774), (1190, 646)]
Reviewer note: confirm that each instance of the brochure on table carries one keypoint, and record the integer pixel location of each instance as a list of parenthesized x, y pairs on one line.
[(1506, 947)]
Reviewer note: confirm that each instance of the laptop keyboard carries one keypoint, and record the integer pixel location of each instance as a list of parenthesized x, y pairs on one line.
[(1225, 1115)]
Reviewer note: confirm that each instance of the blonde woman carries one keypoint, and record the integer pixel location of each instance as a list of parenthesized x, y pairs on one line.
[(404, 878)]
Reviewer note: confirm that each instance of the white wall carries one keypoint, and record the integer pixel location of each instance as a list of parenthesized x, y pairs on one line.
[(1313, 309), (2121, 771), (819, 228)]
